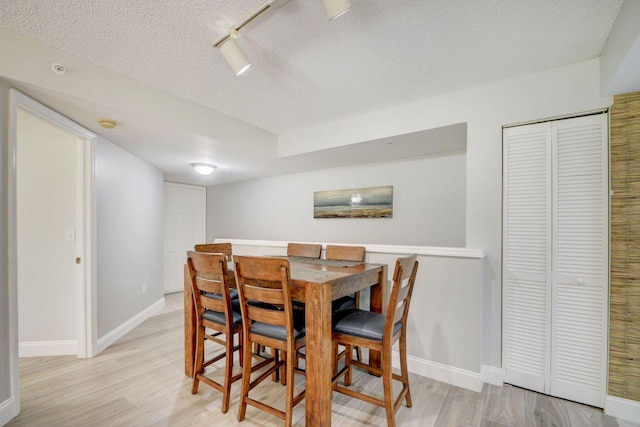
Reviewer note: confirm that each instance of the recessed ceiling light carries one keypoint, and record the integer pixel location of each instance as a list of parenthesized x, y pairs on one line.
[(108, 124)]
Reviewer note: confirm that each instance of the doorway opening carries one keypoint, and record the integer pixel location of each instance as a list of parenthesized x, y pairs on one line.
[(66, 227)]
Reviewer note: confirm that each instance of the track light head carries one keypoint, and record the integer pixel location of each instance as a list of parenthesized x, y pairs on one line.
[(234, 55)]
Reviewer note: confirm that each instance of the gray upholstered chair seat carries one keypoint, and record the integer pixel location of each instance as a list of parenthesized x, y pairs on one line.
[(215, 316), (279, 332), (365, 324), (344, 303)]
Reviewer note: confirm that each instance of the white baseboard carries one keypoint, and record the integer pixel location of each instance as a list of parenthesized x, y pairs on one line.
[(437, 371), (625, 410), (123, 329), (492, 375), (7, 411), (47, 348)]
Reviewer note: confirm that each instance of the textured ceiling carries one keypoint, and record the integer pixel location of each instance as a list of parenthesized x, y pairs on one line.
[(305, 69)]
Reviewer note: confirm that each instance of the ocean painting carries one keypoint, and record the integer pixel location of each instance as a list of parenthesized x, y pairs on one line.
[(372, 202)]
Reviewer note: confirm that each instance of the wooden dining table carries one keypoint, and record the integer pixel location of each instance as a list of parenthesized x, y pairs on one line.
[(316, 283)]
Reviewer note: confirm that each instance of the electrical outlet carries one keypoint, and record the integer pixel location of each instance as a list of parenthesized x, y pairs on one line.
[(144, 288)]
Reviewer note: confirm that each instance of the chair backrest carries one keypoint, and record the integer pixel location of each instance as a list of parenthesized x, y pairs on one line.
[(304, 250), (345, 253), (404, 277), (208, 274), (264, 280), (215, 248)]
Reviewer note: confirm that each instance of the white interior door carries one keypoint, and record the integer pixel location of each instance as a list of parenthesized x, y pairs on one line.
[(527, 255), (184, 226), (580, 263)]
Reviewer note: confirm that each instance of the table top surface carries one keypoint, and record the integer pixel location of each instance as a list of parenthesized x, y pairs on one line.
[(311, 270)]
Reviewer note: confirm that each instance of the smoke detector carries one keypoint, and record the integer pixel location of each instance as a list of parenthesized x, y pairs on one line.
[(58, 68)]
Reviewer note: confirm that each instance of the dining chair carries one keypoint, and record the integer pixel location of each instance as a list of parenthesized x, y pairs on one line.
[(213, 306), (379, 332), (227, 250), (346, 253), (217, 248), (305, 250), (270, 323)]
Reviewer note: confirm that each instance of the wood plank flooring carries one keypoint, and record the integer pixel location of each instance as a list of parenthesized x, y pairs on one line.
[(139, 381)]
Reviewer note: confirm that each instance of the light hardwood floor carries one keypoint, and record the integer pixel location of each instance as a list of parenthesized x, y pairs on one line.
[(139, 381)]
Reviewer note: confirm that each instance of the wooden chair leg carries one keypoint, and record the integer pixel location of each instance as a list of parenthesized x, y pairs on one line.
[(283, 369), (404, 371), (226, 394), (347, 364), (246, 380), (240, 349), (387, 380), (276, 356), (288, 416), (198, 360)]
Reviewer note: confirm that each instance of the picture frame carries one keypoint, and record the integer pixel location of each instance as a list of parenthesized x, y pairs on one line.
[(371, 202)]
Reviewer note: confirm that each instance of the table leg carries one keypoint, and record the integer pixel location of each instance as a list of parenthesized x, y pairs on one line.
[(319, 356), (379, 302), (189, 325)]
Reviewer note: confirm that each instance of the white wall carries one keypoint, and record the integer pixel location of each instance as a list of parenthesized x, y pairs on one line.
[(129, 195), (428, 205), (46, 209), (561, 91)]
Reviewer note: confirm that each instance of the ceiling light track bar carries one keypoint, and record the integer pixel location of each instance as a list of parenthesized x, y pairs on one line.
[(249, 18)]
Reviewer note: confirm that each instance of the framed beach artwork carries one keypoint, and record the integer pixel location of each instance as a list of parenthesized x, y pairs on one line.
[(372, 202)]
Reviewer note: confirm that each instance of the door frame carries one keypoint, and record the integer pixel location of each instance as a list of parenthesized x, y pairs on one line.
[(203, 236), (86, 315)]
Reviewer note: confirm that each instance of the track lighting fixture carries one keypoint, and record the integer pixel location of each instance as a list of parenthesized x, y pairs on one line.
[(232, 52), (228, 45), (335, 8)]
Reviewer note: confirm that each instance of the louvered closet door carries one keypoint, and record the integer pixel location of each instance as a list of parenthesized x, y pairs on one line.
[(555, 257), (580, 259), (527, 255)]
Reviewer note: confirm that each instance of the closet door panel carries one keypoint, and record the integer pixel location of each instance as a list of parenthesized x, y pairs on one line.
[(527, 256), (580, 259)]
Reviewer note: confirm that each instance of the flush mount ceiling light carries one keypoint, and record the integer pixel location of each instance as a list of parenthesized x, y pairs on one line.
[(335, 8), (108, 124), (203, 168)]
